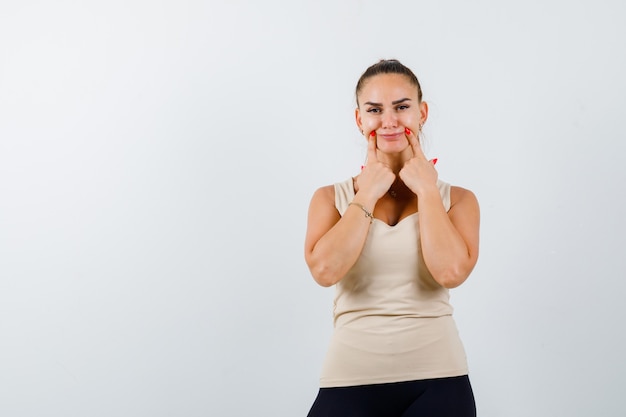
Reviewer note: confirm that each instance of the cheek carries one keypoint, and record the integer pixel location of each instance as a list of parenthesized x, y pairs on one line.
[(370, 123), (411, 120), (412, 116)]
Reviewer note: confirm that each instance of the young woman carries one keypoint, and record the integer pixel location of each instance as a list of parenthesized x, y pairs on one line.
[(393, 240)]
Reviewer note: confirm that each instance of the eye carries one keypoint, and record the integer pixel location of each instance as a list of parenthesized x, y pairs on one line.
[(374, 110), (402, 107)]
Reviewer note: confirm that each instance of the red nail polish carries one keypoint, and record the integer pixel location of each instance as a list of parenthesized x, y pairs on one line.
[(372, 133), (407, 131), (362, 166), (434, 161)]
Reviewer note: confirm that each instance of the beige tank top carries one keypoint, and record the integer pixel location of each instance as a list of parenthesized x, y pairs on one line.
[(392, 321)]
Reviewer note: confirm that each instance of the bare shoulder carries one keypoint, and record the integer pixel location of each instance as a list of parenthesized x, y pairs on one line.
[(464, 214), (462, 196), (322, 210), (323, 215), (325, 194)]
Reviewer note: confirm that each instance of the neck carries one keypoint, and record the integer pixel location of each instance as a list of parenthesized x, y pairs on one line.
[(399, 190), (395, 161)]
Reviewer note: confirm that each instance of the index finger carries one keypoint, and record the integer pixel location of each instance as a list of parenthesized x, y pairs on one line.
[(415, 145), (371, 147)]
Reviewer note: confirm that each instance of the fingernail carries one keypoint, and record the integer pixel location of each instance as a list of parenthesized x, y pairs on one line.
[(407, 131), (362, 166), (434, 161), (372, 133)]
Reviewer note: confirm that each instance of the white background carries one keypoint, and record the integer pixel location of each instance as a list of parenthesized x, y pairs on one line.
[(156, 163)]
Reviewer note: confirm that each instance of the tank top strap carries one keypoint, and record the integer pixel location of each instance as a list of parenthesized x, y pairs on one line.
[(344, 194), (444, 191)]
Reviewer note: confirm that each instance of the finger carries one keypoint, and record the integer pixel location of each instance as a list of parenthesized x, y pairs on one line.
[(415, 145), (371, 147)]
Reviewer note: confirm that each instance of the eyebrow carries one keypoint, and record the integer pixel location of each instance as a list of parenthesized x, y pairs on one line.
[(393, 102)]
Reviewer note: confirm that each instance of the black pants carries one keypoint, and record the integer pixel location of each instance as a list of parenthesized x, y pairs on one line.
[(439, 397)]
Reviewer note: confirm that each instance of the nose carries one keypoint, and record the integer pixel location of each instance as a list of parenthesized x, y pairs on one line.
[(389, 120)]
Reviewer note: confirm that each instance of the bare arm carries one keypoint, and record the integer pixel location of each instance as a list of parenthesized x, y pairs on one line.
[(333, 243), (449, 240)]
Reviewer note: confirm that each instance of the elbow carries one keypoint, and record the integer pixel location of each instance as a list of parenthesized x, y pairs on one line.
[(324, 275), (451, 277), (324, 283), (455, 273), (451, 283)]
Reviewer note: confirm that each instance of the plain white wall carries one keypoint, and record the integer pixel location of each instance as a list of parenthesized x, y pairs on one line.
[(157, 160)]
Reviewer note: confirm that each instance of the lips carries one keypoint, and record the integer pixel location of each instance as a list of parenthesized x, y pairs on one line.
[(391, 136)]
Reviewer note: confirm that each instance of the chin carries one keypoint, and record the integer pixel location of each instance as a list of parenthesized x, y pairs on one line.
[(393, 148)]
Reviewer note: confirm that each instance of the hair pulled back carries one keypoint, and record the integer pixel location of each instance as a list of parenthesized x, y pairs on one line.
[(387, 66)]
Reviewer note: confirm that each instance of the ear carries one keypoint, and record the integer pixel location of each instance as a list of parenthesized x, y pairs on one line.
[(423, 112), (357, 117)]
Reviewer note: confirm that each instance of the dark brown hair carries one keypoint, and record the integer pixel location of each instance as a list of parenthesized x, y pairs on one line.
[(387, 66)]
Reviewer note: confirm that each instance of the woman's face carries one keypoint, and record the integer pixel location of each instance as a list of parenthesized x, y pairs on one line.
[(388, 104)]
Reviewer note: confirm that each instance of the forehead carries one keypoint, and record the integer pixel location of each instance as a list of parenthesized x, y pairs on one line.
[(382, 88)]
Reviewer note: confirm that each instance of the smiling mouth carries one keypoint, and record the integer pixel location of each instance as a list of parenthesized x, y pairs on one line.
[(390, 136)]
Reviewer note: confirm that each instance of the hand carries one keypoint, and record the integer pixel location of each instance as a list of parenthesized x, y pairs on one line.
[(376, 177), (418, 173)]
